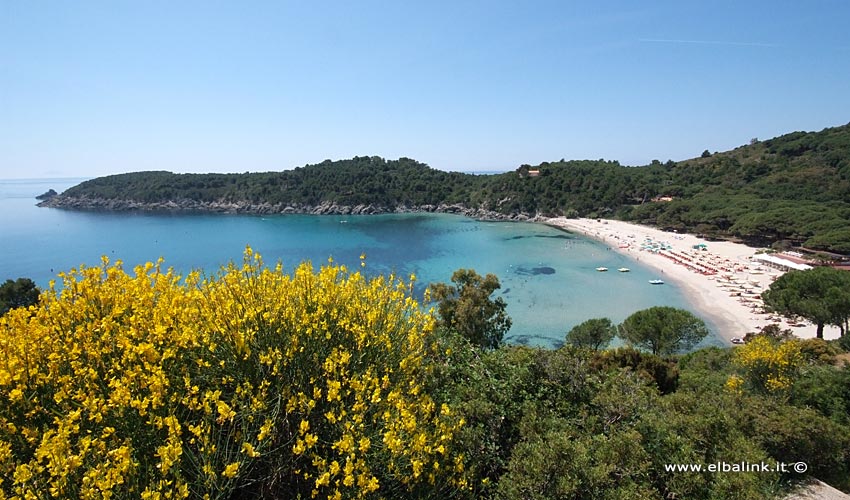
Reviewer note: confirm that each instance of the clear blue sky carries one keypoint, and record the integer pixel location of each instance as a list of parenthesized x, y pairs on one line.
[(92, 88)]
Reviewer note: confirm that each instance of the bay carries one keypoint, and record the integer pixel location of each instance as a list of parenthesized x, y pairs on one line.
[(548, 275)]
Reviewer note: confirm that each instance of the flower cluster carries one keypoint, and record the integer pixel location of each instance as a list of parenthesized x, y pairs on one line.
[(769, 366), (149, 385)]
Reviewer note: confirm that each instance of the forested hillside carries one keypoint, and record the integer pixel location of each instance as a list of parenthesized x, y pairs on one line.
[(794, 188)]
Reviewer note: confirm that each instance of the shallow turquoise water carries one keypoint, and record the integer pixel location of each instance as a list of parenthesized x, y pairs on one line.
[(548, 276)]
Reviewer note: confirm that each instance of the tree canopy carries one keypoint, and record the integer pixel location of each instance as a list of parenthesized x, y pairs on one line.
[(821, 295), (594, 333), (19, 293), (466, 307), (663, 329)]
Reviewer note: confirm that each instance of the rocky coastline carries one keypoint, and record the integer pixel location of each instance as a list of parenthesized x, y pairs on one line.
[(248, 208)]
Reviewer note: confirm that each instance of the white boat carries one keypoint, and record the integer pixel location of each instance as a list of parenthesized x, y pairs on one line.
[(601, 269), (656, 282), (623, 269)]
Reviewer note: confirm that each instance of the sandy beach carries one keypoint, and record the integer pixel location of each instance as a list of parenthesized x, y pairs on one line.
[(727, 297)]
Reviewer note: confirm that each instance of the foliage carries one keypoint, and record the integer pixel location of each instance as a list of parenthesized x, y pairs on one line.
[(594, 333), (844, 342), (468, 309), (826, 389), (821, 295), (771, 331), (702, 427), (704, 370), (818, 351), (568, 423), (664, 373), (560, 464), (19, 293), (663, 330), (792, 434), (252, 381)]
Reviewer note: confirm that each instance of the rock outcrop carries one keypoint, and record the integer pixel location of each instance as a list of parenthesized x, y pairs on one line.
[(245, 207), (46, 196)]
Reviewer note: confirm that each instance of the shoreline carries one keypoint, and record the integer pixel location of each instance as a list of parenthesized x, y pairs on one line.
[(730, 314), (63, 202)]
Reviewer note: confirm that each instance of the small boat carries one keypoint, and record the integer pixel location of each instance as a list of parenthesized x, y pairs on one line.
[(601, 269), (656, 282), (623, 269)]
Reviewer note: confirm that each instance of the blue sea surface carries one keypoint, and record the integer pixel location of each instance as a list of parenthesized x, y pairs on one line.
[(548, 276)]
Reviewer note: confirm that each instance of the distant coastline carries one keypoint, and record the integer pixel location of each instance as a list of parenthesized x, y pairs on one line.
[(789, 191)]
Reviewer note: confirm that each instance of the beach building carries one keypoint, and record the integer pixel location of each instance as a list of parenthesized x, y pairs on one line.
[(781, 263)]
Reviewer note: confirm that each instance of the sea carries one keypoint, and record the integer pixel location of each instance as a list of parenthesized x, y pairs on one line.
[(548, 276)]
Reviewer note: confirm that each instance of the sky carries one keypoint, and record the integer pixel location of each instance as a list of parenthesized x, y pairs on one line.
[(94, 88)]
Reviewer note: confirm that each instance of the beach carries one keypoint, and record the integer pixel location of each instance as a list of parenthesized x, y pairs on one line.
[(719, 278)]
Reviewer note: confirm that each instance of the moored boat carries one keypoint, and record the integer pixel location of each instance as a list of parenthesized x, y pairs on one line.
[(601, 269), (623, 269), (656, 282)]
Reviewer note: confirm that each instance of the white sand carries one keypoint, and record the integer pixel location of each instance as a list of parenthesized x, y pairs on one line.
[(732, 316)]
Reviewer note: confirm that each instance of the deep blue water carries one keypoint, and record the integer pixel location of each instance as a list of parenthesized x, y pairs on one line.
[(548, 276)]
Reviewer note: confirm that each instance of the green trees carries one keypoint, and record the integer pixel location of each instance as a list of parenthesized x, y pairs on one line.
[(821, 295), (594, 333), (467, 308), (19, 293), (663, 330)]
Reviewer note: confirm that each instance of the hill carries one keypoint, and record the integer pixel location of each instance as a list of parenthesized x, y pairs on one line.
[(790, 190), (794, 188), (359, 181)]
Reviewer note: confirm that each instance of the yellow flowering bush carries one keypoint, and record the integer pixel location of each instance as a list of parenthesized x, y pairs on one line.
[(767, 365), (252, 380)]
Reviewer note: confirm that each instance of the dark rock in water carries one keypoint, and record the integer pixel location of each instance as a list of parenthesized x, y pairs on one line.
[(521, 339), (505, 292), (540, 340), (554, 236), (543, 270), (534, 271), (46, 196)]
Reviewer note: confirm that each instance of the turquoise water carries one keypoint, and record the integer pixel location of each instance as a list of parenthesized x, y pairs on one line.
[(548, 276)]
